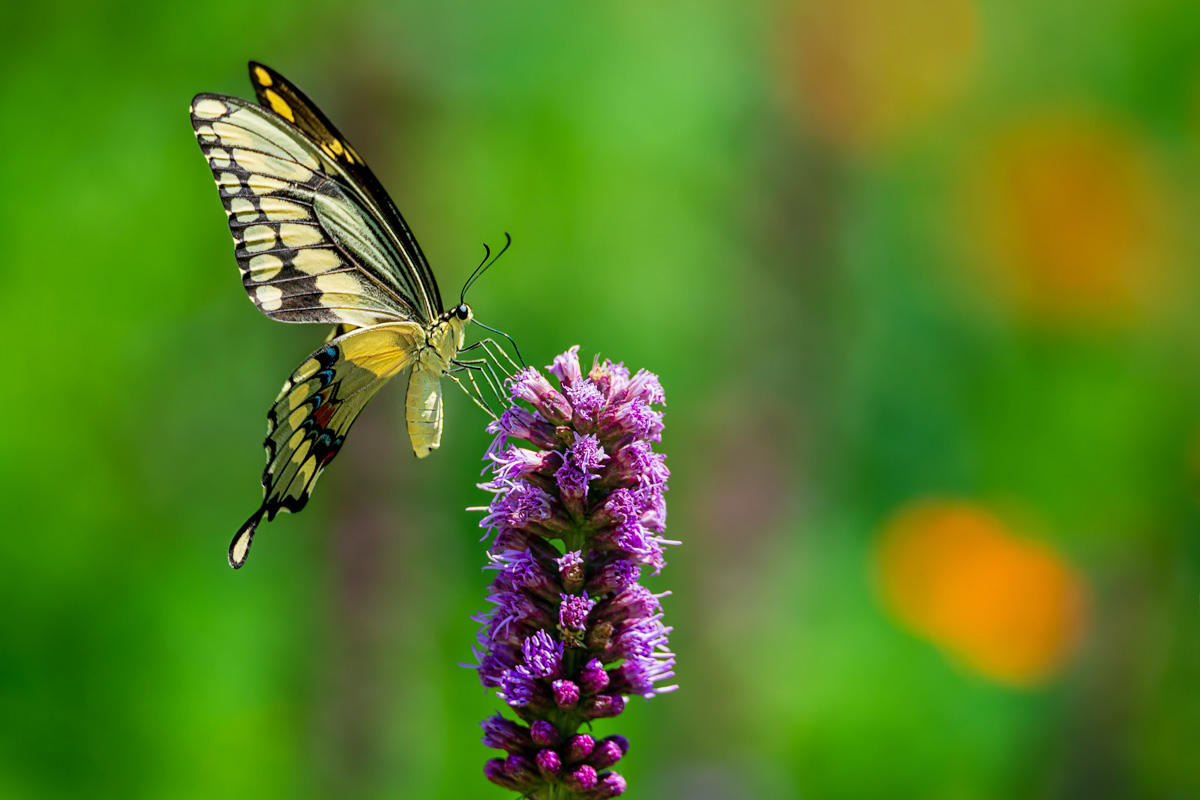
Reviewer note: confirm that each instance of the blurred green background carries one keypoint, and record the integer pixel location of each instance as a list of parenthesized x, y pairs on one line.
[(918, 276)]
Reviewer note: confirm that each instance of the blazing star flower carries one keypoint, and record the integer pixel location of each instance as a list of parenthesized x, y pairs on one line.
[(571, 632)]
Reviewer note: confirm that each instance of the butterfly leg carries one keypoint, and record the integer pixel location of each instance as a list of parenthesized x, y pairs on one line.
[(476, 396), (488, 371), (492, 347)]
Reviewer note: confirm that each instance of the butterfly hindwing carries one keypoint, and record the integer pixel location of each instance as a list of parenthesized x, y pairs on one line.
[(307, 249), (310, 418)]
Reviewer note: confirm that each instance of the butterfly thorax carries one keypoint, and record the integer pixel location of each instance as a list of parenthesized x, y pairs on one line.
[(445, 337)]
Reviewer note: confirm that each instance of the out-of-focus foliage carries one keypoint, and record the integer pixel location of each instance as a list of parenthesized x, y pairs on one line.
[(918, 276)]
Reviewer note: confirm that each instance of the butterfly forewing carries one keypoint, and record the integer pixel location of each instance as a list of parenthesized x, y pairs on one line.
[(287, 100), (307, 249)]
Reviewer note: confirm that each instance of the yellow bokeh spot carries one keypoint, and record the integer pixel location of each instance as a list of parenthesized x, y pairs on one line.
[(1009, 608), (861, 73), (1068, 221)]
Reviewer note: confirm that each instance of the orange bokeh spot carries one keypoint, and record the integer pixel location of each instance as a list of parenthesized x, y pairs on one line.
[(1070, 220), (1009, 608), (862, 72)]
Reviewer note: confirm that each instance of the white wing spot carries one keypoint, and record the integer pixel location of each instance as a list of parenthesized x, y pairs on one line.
[(269, 165), (208, 108), (270, 298), (257, 238), (229, 183), (232, 135), (316, 260), (265, 267), (296, 236), (243, 209), (280, 209), (338, 283), (261, 184)]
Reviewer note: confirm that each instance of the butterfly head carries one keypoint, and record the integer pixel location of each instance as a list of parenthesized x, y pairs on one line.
[(460, 315)]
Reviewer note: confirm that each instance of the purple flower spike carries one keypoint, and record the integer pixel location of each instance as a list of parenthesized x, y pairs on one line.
[(578, 510)]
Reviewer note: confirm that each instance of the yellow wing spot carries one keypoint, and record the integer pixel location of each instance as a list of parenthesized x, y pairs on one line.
[(297, 417), (243, 209), (336, 146), (299, 396), (314, 260), (265, 267), (209, 108), (306, 371), (279, 105), (262, 76), (325, 149), (295, 442), (352, 155), (306, 470), (269, 297), (297, 236), (257, 238)]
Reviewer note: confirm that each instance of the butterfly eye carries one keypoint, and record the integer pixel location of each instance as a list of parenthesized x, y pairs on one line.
[(463, 311)]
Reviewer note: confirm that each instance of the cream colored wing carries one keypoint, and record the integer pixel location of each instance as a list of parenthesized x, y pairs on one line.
[(423, 409), (307, 247)]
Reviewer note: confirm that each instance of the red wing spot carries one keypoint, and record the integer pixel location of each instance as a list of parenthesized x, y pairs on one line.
[(321, 415)]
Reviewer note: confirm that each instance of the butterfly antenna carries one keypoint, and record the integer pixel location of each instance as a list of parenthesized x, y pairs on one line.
[(487, 253), (482, 268)]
